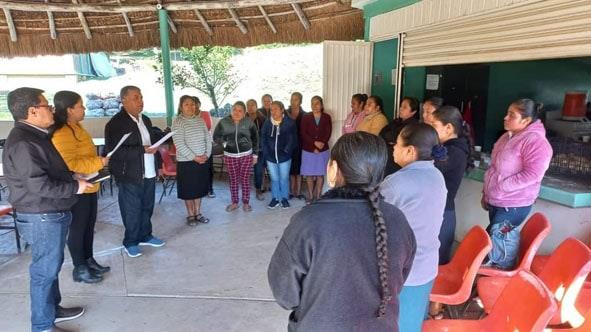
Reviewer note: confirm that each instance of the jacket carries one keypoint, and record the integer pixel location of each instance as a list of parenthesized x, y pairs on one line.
[(75, 146), (38, 178), (310, 132), (373, 123), (517, 167), (237, 138), (127, 163), (279, 142), (325, 269), (453, 167), (390, 133), (259, 121)]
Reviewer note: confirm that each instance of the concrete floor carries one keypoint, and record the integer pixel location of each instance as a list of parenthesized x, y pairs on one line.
[(207, 278)]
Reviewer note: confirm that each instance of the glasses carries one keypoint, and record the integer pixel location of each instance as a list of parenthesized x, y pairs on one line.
[(51, 108)]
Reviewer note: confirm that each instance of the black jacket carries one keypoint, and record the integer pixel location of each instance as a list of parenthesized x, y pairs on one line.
[(390, 134), (279, 142), (325, 268), (238, 138), (453, 167), (127, 163), (37, 176)]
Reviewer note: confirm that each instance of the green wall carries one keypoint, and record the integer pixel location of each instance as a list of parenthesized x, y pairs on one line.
[(544, 81), (413, 82), (384, 60), (380, 7)]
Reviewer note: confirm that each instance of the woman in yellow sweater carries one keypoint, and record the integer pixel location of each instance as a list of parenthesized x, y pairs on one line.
[(75, 146), (374, 120)]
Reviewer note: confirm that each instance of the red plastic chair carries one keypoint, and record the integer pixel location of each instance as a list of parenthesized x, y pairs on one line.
[(6, 210), (167, 171), (540, 260), (584, 327), (564, 274), (524, 305), (534, 231), (454, 280)]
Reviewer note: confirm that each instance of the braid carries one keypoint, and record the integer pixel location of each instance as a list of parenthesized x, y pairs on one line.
[(381, 249)]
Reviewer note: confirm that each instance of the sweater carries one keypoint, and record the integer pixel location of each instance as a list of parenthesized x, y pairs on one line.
[(453, 167), (418, 190), (352, 122), (390, 133), (325, 269), (310, 132), (75, 146), (373, 123), (280, 141), (191, 138), (518, 165)]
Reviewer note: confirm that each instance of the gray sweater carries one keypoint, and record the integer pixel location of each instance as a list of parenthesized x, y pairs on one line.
[(325, 266)]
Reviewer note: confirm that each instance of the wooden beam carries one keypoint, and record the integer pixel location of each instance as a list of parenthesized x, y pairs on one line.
[(267, 19), (171, 24), (52, 31), (83, 22), (203, 22), (127, 22), (236, 19), (87, 7), (10, 23), (302, 16)]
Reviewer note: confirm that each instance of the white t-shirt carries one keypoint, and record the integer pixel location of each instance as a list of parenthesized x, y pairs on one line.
[(149, 163)]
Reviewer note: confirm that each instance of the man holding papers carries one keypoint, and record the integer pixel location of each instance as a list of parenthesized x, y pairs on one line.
[(134, 167)]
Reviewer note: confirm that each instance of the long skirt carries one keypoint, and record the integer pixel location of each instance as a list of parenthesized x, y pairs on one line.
[(314, 164), (192, 180)]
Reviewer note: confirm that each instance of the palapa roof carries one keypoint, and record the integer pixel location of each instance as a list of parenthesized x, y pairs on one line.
[(36, 27)]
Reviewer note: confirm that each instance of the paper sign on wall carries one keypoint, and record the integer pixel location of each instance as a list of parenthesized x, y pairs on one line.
[(432, 82)]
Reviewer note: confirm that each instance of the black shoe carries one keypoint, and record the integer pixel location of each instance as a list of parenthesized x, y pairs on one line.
[(63, 314), (82, 273), (93, 265)]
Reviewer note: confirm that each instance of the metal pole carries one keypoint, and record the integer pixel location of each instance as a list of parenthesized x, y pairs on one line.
[(399, 73), (165, 46)]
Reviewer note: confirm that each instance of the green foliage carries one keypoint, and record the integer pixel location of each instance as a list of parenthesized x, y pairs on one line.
[(207, 69)]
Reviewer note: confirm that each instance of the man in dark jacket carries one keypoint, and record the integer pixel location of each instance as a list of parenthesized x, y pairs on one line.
[(42, 191), (134, 167)]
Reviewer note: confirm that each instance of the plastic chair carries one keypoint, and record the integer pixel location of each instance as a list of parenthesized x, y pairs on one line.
[(563, 275), (8, 211), (584, 327), (453, 284), (167, 172), (540, 260), (524, 305), (532, 234)]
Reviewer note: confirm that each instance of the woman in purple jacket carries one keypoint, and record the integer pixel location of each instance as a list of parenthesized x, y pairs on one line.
[(519, 160)]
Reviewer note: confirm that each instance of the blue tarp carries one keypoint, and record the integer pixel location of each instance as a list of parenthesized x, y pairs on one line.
[(94, 64)]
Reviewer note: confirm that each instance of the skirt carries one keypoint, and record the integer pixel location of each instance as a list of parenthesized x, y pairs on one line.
[(296, 162), (314, 164), (192, 180)]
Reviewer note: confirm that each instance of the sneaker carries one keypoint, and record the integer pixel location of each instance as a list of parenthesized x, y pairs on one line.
[(153, 242), (284, 204), (274, 203), (63, 314), (211, 194), (133, 251)]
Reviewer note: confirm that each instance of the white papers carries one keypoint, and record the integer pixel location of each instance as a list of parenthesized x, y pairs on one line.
[(119, 144), (162, 140)]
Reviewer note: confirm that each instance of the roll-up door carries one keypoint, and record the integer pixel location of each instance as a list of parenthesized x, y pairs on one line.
[(527, 31)]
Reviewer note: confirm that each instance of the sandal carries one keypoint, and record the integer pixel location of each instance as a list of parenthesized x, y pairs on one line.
[(200, 218), (191, 221), (231, 207), (246, 207)]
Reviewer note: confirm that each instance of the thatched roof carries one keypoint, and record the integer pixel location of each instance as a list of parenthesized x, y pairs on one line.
[(35, 27)]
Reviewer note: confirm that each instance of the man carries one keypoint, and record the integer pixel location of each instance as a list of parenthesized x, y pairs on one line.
[(42, 191), (134, 167), (259, 168)]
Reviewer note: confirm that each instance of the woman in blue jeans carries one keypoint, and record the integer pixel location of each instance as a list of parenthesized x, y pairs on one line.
[(279, 139)]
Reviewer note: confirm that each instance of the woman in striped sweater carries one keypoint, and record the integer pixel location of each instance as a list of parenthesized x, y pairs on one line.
[(193, 149)]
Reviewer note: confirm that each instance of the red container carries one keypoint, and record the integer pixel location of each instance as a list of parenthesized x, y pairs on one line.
[(575, 105)]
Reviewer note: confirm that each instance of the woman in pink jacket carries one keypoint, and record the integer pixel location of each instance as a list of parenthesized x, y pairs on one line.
[(519, 160)]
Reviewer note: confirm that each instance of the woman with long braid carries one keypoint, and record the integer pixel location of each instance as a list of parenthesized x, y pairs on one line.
[(342, 260), (418, 190)]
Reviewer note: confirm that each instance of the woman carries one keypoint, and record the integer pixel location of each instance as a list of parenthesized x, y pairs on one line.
[(431, 105), (75, 146), (407, 114), (279, 139), (357, 115), (259, 168), (296, 113), (206, 117), (374, 120), (518, 163), (418, 190), (193, 150), (352, 281), (241, 144), (315, 132), (453, 133)]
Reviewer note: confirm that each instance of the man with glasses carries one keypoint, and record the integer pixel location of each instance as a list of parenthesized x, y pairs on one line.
[(42, 192)]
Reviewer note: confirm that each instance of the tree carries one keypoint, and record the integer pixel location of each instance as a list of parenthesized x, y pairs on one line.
[(207, 69)]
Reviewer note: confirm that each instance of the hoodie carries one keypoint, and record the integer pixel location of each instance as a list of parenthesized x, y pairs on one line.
[(518, 165), (454, 167), (279, 142)]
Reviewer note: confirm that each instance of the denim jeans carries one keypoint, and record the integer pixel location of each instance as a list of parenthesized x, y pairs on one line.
[(46, 233), (414, 305), (447, 236), (514, 215), (279, 174), (136, 203), (259, 171)]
